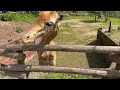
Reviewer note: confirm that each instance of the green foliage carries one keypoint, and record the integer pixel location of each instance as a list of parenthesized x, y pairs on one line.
[(7, 17), (17, 17), (26, 17), (65, 76), (33, 12)]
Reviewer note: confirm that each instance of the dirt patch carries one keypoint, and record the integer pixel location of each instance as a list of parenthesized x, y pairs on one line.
[(9, 34)]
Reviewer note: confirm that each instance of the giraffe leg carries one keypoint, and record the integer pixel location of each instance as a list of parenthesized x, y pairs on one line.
[(52, 60), (42, 61), (47, 59), (40, 58)]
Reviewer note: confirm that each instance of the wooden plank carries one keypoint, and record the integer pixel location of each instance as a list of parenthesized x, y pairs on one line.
[(105, 39), (13, 74), (113, 57), (30, 68), (21, 61), (15, 55), (113, 65), (110, 26), (66, 48)]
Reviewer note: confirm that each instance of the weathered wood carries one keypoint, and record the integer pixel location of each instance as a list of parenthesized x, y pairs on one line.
[(66, 48), (12, 74), (106, 40), (114, 57), (19, 75), (110, 26), (15, 55), (20, 58), (29, 68), (21, 61), (118, 67), (113, 65)]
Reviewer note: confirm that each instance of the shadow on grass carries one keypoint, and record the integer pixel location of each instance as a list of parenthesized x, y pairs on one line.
[(96, 60), (91, 21)]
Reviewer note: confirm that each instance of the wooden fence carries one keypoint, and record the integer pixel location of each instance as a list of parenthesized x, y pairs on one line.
[(7, 51), (21, 70)]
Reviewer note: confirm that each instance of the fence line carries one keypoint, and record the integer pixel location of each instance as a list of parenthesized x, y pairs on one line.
[(30, 68), (12, 49), (66, 48)]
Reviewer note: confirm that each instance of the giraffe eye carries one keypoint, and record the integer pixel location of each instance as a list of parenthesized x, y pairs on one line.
[(49, 23)]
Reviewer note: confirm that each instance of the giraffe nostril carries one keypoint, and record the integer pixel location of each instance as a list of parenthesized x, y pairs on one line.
[(28, 37)]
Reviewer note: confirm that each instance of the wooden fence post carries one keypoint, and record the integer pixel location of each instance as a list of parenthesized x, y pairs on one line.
[(118, 64), (23, 75), (110, 26)]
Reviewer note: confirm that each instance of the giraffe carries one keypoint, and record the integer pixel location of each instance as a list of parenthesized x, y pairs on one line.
[(43, 31)]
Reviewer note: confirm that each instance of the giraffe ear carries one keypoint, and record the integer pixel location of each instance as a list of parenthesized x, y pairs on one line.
[(61, 17), (52, 12)]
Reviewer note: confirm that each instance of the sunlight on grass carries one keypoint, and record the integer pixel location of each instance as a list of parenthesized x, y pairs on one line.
[(115, 20), (65, 76), (66, 34), (79, 17)]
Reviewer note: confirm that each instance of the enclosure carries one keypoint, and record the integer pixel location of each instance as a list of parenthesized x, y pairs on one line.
[(75, 30)]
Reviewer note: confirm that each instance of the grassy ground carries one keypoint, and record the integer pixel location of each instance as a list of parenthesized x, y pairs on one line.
[(65, 76), (77, 30), (115, 35)]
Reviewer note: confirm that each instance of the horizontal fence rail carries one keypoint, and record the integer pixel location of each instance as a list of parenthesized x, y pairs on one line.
[(13, 50), (66, 48), (31, 68), (15, 55)]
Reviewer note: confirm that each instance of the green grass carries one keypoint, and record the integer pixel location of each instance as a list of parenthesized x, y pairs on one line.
[(115, 20), (66, 34), (65, 76), (92, 18), (80, 17), (2, 75), (115, 35)]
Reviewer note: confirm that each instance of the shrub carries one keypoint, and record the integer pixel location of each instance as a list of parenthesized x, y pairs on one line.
[(7, 17), (18, 16)]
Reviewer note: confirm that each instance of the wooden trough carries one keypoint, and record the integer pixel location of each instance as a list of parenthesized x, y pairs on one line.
[(112, 58)]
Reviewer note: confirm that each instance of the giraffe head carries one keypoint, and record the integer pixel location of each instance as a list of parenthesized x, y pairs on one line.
[(47, 21)]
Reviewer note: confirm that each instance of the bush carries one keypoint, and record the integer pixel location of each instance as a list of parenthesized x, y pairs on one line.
[(7, 17), (17, 16)]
